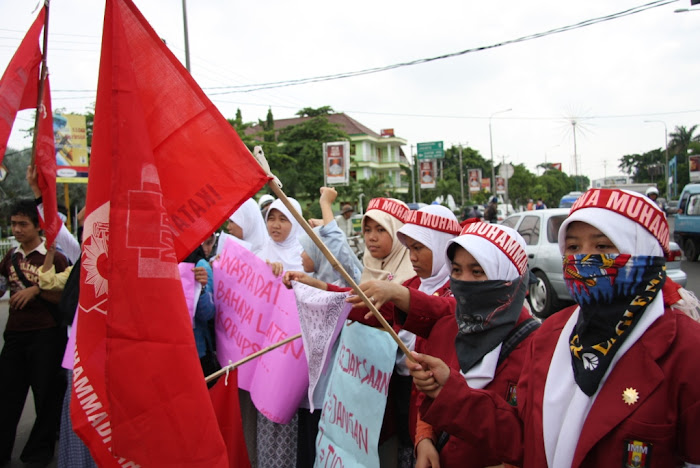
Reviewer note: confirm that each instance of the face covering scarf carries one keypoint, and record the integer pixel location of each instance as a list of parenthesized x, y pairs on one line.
[(612, 290), (486, 312)]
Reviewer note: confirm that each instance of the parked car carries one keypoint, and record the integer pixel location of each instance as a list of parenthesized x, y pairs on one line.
[(687, 227), (568, 200), (540, 229)]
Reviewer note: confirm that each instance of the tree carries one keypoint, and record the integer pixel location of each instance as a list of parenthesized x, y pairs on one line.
[(520, 185), (680, 141), (303, 145), (373, 187)]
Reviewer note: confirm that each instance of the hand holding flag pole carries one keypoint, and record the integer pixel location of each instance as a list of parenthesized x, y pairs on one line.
[(275, 186)]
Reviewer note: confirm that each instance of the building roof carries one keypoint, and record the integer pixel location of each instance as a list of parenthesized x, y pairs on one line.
[(344, 121)]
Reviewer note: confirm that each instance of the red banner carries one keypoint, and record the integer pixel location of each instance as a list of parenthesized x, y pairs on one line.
[(166, 171)]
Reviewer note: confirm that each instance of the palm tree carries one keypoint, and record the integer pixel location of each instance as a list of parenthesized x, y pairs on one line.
[(373, 187), (680, 141)]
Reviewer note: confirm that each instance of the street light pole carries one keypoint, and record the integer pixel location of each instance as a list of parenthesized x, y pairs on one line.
[(187, 40), (461, 174), (493, 170), (668, 186)]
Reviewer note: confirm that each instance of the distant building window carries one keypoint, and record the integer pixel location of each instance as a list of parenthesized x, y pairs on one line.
[(352, 149), (353, 175)]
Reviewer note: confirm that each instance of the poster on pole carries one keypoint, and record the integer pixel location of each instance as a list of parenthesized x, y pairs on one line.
[(694, 166), (486, 184), (427, 173), (70, 141), (500, 185), (474, 180), (336, 162)]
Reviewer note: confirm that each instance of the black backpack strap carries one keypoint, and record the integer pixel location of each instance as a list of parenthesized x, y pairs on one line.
[(18, 270), (516, 336)]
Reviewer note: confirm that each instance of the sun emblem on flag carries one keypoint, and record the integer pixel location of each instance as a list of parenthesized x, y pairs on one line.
[(590, 361), (94, 256), (630, 396)]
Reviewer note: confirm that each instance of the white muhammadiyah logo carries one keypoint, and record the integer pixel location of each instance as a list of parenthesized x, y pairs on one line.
[(590, 361), (95, 244)]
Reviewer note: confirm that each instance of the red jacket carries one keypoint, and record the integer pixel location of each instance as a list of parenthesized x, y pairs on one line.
[(662, 366), (441, 343)]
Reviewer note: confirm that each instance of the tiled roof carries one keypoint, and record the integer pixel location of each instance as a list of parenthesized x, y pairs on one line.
[(344, 121)]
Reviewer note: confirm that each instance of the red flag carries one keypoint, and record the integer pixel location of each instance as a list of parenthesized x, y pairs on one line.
[(45, 162), (224, 397), (166, 170), (18, 86)]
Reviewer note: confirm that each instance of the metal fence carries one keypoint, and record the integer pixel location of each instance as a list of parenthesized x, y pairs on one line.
[(5, 245)]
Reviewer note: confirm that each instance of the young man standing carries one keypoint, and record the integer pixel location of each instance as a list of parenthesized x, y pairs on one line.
[(34, 342)]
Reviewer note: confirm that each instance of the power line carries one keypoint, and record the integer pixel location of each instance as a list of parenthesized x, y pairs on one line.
[(367, 71)]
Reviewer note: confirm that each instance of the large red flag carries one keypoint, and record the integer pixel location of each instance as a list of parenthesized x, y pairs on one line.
[(18, 86), (19, 90), (45, 162), (224, 397), (166, 170)]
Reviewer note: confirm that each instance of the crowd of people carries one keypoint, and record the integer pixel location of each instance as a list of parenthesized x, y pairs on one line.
[(609, 381)]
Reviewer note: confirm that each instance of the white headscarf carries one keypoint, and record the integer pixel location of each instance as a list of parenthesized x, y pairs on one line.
[(495, 263), (434, 240), (249, 219), (628, 236), (288, 252), (396, 266)]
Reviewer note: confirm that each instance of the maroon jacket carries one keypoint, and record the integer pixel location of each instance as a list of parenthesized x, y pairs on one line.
[(662, 366)]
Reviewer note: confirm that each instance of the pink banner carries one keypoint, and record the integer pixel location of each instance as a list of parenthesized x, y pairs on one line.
[(253, 311), (190, 287)]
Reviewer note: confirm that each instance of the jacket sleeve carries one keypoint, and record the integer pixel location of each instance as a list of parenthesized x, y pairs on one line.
[(479, 417), (425, 310), (206, 309)]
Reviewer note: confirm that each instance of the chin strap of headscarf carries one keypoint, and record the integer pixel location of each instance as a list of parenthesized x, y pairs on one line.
[(613, 291)]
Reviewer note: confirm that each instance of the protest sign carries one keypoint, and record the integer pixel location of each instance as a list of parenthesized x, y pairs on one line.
[(322, 315), (353, 409), (255, 310), (190, 287)]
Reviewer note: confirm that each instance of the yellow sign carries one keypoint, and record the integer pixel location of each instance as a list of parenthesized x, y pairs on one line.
[(70, 139)]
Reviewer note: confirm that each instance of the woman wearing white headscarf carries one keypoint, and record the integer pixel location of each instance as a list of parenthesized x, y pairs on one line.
[(247, 224), (488, 282), (282, 243), (612, 378), (277, 443)]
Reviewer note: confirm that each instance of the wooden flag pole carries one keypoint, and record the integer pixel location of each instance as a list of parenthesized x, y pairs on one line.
[(338, 267), (42, 80), (250, 357)]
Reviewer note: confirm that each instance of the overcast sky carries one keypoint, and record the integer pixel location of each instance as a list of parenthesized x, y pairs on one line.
[(608, 77)]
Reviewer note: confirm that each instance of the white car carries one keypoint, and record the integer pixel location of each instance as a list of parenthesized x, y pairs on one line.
[(540, 229)]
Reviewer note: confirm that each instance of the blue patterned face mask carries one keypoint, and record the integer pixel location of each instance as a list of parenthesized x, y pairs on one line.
[(613, 291)]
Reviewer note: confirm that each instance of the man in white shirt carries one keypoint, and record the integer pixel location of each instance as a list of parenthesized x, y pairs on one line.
[(344, 220)]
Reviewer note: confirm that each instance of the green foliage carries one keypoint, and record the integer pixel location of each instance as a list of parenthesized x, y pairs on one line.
[(520, 185), (373, 187)]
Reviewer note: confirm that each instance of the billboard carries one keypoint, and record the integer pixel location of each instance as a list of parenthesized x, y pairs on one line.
[(500, 185), (427, 174), (336, 162), (486, 184), (70, 141), (694, 167), (474, 180)]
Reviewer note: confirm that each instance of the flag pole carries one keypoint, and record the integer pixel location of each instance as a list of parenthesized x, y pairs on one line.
[(338, 267), (250, 357), (42, 80)]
